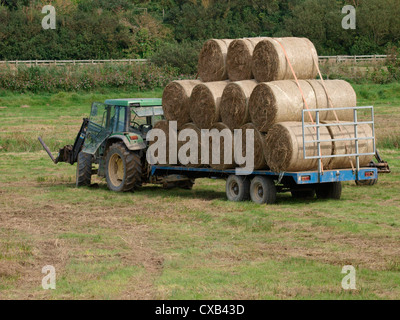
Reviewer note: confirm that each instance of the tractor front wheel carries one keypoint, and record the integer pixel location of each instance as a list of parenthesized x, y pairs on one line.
[(123, 168), (84, 169)]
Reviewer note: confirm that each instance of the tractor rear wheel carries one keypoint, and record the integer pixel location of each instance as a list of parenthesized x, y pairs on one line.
[(123, 168), (84, 169)]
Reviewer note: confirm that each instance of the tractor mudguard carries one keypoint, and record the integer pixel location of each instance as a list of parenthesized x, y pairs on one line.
[(131, 144)]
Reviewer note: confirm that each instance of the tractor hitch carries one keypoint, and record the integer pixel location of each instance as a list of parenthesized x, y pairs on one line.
[(381, 165)]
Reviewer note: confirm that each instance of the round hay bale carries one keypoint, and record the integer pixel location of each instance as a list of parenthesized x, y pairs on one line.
[(259, 146), (234, 103), (223, 163), (193, 127), (269, 61), (175, 100), (279, 101), (238, 59), (212, 60), (284, 147), (349, 147), (341, 94), (204, 103), (169, 136)]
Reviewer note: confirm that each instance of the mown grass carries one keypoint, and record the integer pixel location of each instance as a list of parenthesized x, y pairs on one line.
[(203, 245), (182, 244), (386, 102), (54, 117)]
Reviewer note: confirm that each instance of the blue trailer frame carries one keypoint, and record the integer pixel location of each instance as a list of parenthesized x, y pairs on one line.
[(300, 178)]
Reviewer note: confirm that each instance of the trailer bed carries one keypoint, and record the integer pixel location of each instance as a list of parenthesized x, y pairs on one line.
[(304, 177)]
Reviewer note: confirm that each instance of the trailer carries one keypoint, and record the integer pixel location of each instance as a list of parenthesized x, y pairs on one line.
[(262, 186)]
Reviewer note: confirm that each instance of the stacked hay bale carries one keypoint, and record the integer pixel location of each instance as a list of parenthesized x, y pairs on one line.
[(170, 136), (349, 147), (279, 101), (234, 106), (263, 85), (212, 60), (176, 100), (185, 146), (269, 61), (205, 103), (239, 58)]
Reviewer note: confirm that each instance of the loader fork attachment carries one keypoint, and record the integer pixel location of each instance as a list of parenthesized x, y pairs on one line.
[(69, 153)]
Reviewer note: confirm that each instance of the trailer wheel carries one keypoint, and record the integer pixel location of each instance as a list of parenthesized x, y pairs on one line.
[(237, 188), (303, 194), (263, 190), (187, 184), (84, 169), (369, 182), (331, 190), (123, 168)]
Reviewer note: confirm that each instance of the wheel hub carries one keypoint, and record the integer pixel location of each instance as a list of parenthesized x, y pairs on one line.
[(235, 188), (260, 191), (116, 170)]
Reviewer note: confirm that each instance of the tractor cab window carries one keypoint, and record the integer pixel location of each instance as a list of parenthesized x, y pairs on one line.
[(100, 114), (100, 125), (146, 115), (118, 120), (144, 118)]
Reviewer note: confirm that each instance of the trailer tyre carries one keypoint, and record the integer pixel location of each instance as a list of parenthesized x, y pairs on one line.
[(84, 169), (123, 168), (303, 194), (237, 188), (331, 190), (263, 190), (187, 184)]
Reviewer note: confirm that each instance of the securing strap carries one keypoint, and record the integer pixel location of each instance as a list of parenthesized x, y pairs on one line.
[(301, 92), (330, 103), (297, 81)]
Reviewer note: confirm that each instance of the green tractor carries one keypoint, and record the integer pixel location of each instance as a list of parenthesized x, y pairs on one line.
[(112, 143)]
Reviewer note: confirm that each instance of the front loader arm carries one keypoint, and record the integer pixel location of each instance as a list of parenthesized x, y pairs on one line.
[(69, 153)]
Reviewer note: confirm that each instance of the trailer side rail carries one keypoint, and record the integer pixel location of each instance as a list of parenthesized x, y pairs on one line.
[(356, 122)]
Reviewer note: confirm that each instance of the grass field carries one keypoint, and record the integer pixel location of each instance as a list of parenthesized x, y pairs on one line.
[(181, 244)]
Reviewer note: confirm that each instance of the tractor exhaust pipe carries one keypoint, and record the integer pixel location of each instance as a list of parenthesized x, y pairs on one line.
[(46, 148)]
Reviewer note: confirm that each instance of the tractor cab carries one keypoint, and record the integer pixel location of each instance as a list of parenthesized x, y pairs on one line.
[(128, 120), (136, 115)]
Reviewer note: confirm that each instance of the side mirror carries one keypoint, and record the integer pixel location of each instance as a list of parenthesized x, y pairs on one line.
[(94, 111)]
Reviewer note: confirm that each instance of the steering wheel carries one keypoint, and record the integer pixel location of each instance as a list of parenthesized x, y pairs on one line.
[(134, 122)]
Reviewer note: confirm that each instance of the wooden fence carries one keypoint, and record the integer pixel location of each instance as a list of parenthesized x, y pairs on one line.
[(70, 62), (352, 59), (322, 59)]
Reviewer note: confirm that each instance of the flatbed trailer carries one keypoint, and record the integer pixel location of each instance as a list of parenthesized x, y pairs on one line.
[(261, 186)]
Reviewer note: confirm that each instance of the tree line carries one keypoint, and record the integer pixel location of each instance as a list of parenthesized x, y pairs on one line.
[(172, 31)]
